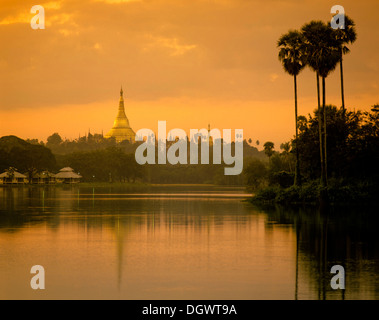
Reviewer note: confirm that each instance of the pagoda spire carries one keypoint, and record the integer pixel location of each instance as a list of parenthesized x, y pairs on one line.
[(121, 129), (121, 103)]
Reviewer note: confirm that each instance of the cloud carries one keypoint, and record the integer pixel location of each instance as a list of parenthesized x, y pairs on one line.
[(175, 49), (273, 77), (117, 1), (19, 18), (22, 14), (161, 49)]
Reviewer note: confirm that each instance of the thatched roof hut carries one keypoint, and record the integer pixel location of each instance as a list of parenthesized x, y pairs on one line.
[(14, 177), (67, 175)]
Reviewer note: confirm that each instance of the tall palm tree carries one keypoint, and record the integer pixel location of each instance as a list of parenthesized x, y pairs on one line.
[(291, 55), (322, 53), (313, 32), (345, 36), (328, 56)]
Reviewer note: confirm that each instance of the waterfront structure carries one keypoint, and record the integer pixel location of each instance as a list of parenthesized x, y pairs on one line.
[(44, 177), (13, 177), (67, 175)]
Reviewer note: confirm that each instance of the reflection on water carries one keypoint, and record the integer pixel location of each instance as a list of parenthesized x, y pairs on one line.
[(179, 242)]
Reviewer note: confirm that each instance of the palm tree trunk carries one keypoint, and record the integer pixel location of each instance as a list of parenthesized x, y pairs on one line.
[(289, 162), (297, 169), (342, 87), (325, 177), (320, 129)]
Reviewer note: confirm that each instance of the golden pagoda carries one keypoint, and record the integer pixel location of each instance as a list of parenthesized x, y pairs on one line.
[(121, 129)]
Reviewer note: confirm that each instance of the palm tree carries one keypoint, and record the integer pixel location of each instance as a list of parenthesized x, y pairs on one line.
[(328, 56), (293, 60), (313, 32), (286, 147), (269, 149), (345, 36), (322, 53)]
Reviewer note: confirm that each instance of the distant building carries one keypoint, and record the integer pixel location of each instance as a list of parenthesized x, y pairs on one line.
[(12, 178), (121, 130), (67, 175)]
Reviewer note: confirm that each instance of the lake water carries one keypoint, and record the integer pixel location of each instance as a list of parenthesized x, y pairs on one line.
[(180, 242)]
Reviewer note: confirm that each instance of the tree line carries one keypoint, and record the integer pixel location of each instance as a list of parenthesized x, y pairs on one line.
[(98, 159)]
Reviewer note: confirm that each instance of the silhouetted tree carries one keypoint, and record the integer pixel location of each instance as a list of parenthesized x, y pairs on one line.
[(291, 54), (286, 147), (255, 173), (269, 148), (345, 36), (322, 55), (54, 139)]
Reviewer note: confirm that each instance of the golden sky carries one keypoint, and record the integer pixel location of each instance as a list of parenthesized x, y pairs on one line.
[(188, 62)]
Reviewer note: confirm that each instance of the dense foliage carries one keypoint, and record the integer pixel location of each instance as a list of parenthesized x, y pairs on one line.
[(353, 157), (103, 160), (25, 157)]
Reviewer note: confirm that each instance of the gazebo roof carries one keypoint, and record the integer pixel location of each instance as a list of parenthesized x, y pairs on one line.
[(66, 169), (67, 174), (15, 175)]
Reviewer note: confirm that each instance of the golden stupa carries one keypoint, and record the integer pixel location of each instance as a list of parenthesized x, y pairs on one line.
[(121, 129)]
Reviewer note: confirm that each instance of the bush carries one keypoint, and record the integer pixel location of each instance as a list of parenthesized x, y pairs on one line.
[(255, 174), (289, 195), (358, 194), (266, 194), (310, 192), (283, 178)]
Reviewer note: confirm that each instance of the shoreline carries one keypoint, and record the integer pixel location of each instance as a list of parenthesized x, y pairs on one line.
[(122, 184), (313, 195)]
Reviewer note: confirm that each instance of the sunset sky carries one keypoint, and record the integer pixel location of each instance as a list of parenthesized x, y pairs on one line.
[(188, 62)]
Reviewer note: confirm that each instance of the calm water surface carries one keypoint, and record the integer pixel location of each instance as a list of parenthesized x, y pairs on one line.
[(179, 242)]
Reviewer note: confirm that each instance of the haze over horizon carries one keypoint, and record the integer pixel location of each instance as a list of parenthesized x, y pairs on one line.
[(187, 62)]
